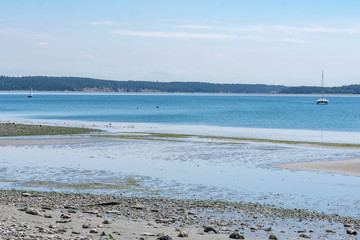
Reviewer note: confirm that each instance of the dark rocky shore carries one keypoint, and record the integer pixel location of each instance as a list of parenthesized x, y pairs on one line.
[(44, 215)]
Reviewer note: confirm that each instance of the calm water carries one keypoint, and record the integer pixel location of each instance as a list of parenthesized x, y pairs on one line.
[(251, 111)]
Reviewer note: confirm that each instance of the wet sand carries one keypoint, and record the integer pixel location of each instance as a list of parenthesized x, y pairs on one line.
[(347, 167), (136, 216)]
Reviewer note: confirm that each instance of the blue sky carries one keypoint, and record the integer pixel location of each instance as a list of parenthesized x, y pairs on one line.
[(226, 41)]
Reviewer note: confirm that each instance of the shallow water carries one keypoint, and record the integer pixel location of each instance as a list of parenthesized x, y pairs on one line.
[(202, 170), (206, 169)]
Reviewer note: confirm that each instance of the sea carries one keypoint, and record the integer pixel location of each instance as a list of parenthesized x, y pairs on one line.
[(247, 111), (193, 168)]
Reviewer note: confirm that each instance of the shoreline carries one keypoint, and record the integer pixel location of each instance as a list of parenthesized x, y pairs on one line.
[(271, 134), (174, 93)]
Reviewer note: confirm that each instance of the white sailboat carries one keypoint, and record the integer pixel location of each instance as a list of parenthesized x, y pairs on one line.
[(322, 100), (30, 94)]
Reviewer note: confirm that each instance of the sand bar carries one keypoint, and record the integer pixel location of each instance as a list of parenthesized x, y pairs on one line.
[(347, 167)]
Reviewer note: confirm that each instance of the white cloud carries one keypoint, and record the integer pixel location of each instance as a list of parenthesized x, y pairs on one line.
[(43, 44), (102, 23), (174, 34)]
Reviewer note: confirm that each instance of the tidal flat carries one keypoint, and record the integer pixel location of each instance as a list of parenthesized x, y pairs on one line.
[(187, 167)]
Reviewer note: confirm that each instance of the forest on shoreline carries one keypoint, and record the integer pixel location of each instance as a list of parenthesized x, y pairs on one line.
[(45, 83)]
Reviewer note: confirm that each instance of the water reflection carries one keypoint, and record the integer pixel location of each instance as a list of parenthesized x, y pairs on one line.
[(241, 172)]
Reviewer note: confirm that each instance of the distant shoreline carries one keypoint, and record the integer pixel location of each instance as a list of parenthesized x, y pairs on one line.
[(175, 93), (48, 83)]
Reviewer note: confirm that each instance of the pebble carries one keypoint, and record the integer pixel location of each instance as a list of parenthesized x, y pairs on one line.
[(210, 229), (351, 231), (183, 233), (236, 235), (254, 228), (147, 234), (65, 215), (91, 212), (304, 235), (86, 225), (273, 236), (26, 194), (164, 237), (165, 220), (63, 220), (32, 211), (138, 206), (106, 221)]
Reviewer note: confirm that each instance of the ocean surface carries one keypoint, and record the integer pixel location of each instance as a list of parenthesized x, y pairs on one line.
[(247, 111), (191, 168)]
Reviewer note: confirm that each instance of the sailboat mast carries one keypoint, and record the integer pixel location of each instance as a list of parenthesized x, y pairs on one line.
[(322, 83)]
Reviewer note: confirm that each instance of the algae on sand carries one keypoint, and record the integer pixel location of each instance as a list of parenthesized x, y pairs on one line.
[(13, 130)]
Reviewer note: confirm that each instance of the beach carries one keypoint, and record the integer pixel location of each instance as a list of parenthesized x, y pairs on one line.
[(35, 215)]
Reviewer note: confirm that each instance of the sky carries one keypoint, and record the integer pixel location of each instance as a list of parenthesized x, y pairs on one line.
[(282, 42)]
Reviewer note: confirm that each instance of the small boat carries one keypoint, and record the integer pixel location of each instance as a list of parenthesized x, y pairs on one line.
[(30, 94), (322, 100)]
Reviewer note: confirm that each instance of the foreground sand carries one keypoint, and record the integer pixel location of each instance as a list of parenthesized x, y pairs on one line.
[(41, 215)]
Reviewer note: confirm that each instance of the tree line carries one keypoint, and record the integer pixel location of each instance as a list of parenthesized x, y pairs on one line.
[(348, 89), (45, 83)]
